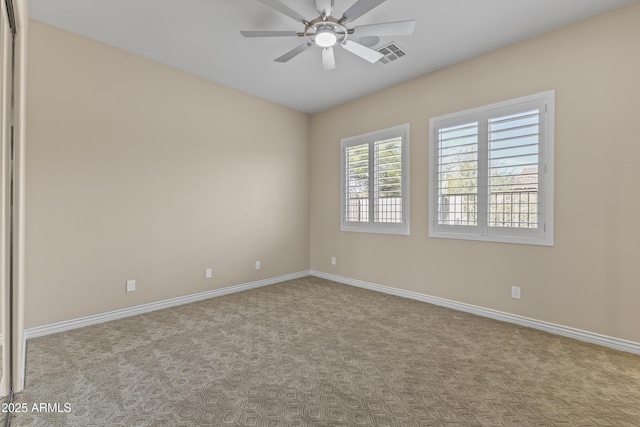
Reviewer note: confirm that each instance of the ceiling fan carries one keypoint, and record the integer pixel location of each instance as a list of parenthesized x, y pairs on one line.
[(327, 32)]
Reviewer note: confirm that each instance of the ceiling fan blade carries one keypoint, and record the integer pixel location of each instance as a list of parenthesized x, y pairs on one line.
[(324, 7), (328, 59), (362, 51), (284, 9), (360, 8), (402, 28), (293, 53), (269, 33)]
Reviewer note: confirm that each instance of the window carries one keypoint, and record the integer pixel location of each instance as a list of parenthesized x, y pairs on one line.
[(491, 173), (375, 182)]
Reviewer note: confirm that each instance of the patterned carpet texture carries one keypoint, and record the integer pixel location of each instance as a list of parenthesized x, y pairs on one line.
[(311, 352)]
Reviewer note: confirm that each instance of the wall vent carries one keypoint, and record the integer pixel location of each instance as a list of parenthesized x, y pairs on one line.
[(391, 52)]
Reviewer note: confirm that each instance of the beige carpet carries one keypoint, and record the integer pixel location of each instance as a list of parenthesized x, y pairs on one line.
[(311, 352)]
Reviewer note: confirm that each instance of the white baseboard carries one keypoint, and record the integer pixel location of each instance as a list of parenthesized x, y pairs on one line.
[(591, 337), (54, 328)]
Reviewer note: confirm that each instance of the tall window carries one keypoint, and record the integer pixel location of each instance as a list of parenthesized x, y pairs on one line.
[(492, 172), (375, 182)]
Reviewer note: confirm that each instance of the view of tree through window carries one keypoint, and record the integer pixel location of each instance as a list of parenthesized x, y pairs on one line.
[(513, 172), (388, 180), (458, 175), (358, 183)]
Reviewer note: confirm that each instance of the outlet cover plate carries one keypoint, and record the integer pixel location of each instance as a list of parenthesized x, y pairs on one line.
[(131, 285), (515, 292)]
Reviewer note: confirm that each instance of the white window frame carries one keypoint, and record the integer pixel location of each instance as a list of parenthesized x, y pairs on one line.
[(370, 138), (544, 233)]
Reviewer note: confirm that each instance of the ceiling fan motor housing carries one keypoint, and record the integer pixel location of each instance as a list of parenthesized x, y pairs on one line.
[(325, 31)]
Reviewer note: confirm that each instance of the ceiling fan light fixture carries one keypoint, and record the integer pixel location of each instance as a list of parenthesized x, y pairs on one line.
[(326, 38)]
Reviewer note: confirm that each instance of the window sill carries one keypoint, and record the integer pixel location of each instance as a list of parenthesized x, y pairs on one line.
[(399, 230)]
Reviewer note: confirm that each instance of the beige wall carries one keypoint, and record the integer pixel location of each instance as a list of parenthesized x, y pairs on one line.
[(590, 279), (140, 171)]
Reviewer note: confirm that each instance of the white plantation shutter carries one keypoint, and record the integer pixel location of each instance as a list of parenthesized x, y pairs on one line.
[(375, 182), (357, 173), (514, 146), (388, 181), (492, 172), (457, 182)]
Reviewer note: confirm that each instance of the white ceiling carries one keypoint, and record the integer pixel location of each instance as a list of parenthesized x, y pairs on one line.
[(202, 37)]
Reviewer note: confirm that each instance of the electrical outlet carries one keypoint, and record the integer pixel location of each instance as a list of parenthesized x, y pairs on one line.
[(257, 265), (515, 292), (131, 285), (208, 273), (333, 260)]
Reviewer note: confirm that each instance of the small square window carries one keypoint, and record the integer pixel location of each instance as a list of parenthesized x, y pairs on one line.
[(375, 184)]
